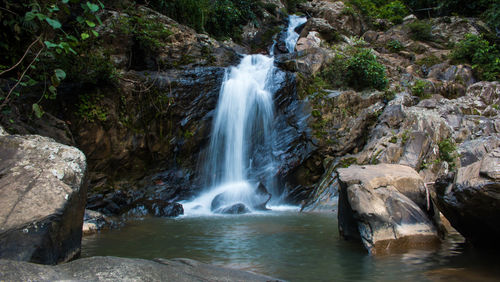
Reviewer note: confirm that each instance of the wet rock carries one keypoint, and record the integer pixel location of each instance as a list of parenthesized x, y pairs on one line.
[(119, 269), (238, 208), (385, 206), (42, 195), (320, 26), (263, 196), (94, 221), (159, 208), (469, 198)]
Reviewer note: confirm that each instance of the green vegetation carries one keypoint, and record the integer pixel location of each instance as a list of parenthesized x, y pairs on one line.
[(363, 71), (484, 58), (394, 11), (395, 46), (148, 32), (418, 88), (221, 19), (447, 151), (346, 162), (428, 61), (420, 30), (41, 43), (89, 108), (358, 69), (488, 10)]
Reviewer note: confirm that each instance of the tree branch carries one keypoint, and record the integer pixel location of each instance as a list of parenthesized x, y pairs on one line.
[(20, 79), (22, 58)]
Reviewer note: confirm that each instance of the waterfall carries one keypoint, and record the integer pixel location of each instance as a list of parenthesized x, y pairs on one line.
[(291, 35), (239, 167)]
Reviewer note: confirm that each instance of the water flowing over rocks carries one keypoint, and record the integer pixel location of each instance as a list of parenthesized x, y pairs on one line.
[(42, 195), (385, 206), (124, 269)]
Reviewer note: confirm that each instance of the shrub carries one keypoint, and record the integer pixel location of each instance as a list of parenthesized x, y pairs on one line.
[(395, 45), (484, 58), (447, 151), (358, 69), (394, 11), (420, 30), (363, 71), (418, 88)]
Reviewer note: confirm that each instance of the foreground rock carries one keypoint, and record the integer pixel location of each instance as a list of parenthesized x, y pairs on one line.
[(124, 269), (384, 207), (42, 199), (470, 199)]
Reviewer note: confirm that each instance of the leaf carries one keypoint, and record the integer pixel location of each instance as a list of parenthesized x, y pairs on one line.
[(95, 33), (101, 4), (65, 1), (50, 44), (29, 16), (54, 23), (79, 19), (60, 74), (40, 16), (84, 35), (53, 91), (93, 7), (38, 110), (90, 23)]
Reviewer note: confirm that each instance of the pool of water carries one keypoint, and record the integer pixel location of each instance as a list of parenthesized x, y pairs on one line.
[(288, 245)]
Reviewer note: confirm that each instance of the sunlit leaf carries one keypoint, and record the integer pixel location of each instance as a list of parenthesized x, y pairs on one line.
[(93, 7), (60, 74), (90, 23), (53, 23), (38, 110), (84, 35)]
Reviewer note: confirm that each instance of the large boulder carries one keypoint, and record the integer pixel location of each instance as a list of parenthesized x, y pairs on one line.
[(386, 207), (334, 14), (124, 269), (470, 198), (42, 195)]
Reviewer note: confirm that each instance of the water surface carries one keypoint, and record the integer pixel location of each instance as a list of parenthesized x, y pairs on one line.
[(287, 245)]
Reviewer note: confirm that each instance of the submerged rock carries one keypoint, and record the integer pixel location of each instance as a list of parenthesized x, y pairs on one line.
[(385, 207), (238, 208), (42, 199), (470, 199), (124, 269)]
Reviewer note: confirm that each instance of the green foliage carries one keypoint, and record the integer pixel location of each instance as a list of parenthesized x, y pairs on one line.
[(363, 71), (418, 88), (346, 162), (291, 5), (428, 61), (37, 37), (447, 151), (393, 11), (420, 30), (223, 18), (358, 69), (395, 45), (89, 108), (389, 95), (147, 31), (484, 58)]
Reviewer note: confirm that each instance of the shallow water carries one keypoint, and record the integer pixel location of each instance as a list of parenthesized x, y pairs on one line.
[(287, 245)]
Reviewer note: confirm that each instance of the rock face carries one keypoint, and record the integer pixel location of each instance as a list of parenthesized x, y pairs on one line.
[(42, 195), (470, 199), (124, 269), (385, 206)]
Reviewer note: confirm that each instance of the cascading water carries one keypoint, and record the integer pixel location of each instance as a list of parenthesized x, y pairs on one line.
[(292, 36), (239, 164)]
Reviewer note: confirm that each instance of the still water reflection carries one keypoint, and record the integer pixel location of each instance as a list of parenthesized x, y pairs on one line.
[(287, 245)]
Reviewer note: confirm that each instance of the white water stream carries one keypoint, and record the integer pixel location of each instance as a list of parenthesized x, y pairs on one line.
[(242, 130)]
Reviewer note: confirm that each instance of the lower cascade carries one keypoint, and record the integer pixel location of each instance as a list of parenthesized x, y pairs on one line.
[(239, 165)]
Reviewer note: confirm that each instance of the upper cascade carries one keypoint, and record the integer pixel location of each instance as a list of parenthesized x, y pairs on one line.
[(291, 36)]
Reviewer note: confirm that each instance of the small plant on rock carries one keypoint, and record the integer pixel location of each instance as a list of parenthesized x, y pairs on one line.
[(395, 45), (420, 30)]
